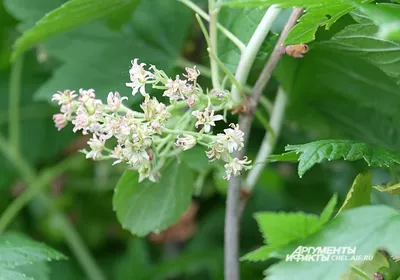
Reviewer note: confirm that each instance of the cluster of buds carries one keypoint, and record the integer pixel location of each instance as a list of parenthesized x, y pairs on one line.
[(142, 137)]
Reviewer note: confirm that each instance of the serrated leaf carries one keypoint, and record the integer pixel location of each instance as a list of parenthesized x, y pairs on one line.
[(360, 40), (387, 17), (359, 193), (318, 13), (258, 255), (318, 151), (16, 250), (393, 189), (148, 207), (368, 228), (282, 228), (70, 15), (328, 210)]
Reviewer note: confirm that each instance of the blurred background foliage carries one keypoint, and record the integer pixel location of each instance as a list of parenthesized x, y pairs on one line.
[(333, 94)]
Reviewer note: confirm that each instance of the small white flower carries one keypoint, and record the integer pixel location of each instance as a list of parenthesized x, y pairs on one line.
[(192, 73), (186, 142), (117, 153), (145, 171), (217, 151), (60, 121), (139, 77), (114, 101), (236, 167), (176, 89), (155, 110), (206, 118), (97, 146), (86, 95), (64, 98), (232, 139)]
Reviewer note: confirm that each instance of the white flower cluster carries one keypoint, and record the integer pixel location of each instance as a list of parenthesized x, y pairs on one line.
[(143, 136)]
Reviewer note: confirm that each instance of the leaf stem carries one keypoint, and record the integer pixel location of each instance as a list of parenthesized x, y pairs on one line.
[(14, 100), (241, 46), (248, 56), (233, 208), (360, 273), (225, 69), (213, 13), (269, 141)]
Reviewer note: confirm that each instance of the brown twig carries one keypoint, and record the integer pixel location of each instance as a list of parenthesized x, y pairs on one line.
[(234, 207)]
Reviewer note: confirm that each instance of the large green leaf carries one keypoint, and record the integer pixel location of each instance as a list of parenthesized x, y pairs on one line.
[(367, 228), (361, 40), (359, 193), (70, 15), (318, 13), (387, 17), (8, 274), (148, 207), (318, 151)]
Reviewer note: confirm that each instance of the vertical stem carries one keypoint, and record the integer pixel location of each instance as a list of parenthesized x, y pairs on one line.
[(269, 140), (213, 39), (14, 99), (252, 48), (233, 197)]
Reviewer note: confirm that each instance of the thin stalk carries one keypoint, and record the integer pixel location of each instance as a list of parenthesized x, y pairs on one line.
[(205, 34), (265, 123), (233, 207), (241, 46), (360, 273), (248, 56), (213, 12), (266, 104), (34, 189), (269, 141), (225, 69), (77, 246), (14, 100)]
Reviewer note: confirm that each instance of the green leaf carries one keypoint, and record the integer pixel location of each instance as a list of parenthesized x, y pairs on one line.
[(368, 228), (318, 151), (327, 213), (148, 207), (258, 255), (16, 250), (393, 189), (359, 193), (387, 17), (282, 228), (70, 15), (361, 40), (8, 274), (318, 13), (369, 267)]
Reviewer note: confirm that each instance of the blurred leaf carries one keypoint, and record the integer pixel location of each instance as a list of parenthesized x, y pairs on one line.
[(15, 250), (387, 17), (393, 189), (196, 159), (369, 267), (22, 258), (368, 228), (359, 193), (318, 13), (327, 213), (148, 207), (361, 40), (135, 263), (317, 151), (70, 15), (123, 15)]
